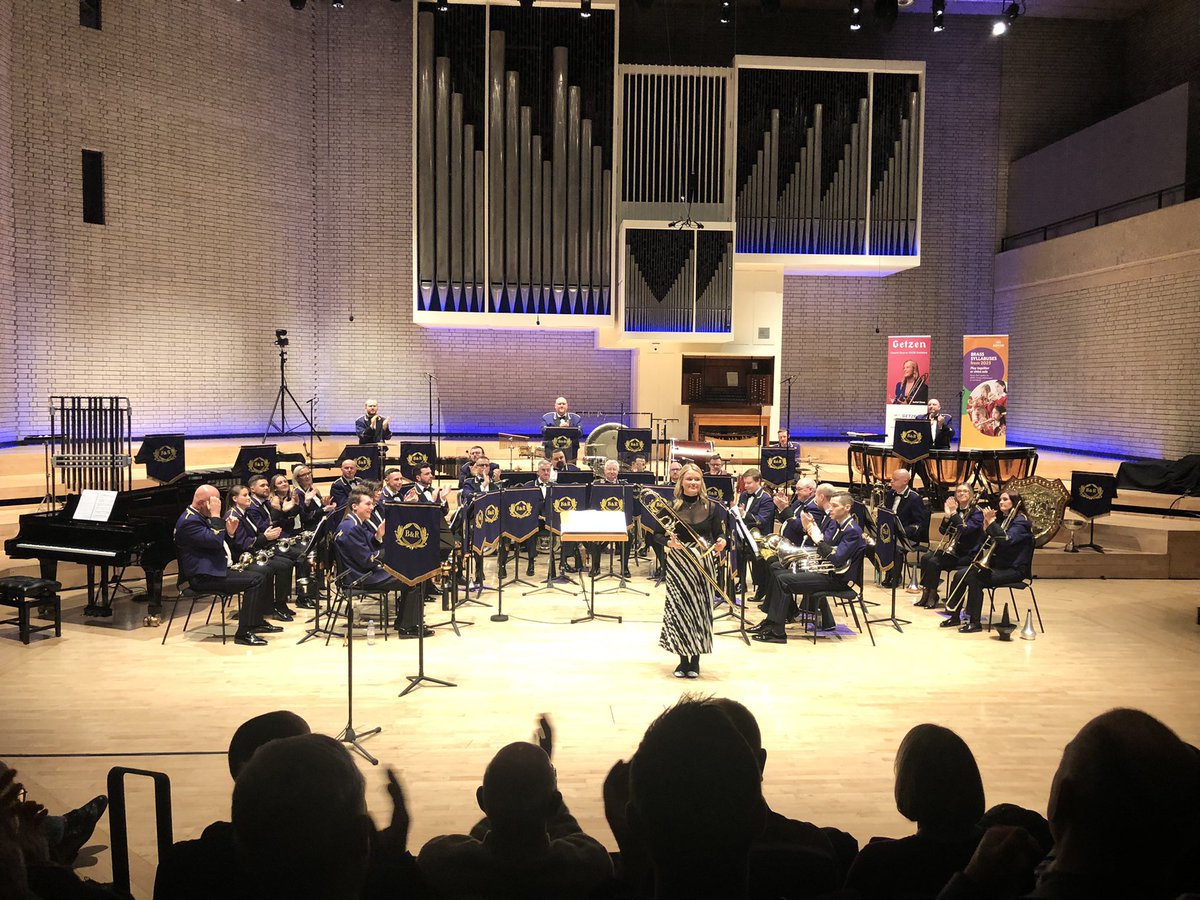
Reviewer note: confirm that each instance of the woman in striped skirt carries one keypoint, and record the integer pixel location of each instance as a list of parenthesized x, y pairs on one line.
[(687, 616)]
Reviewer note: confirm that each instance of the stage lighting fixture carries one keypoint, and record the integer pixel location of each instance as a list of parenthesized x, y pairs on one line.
[(443, 5), (585, 9), (1007, 18), (297, 4), (887, 11), (526, 4), (939, 15), (855, 17), (726, 11), (339, 4)]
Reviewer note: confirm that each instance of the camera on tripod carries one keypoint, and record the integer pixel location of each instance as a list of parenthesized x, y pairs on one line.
[(281, 339)]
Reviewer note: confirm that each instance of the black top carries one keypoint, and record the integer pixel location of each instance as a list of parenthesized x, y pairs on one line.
[(708, 524)]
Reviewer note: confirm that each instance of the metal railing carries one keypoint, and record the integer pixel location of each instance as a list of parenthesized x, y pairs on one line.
[(1113, 213)]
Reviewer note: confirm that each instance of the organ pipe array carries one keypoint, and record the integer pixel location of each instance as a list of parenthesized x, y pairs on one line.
[(678, 280), (526, 229), (824, 168)]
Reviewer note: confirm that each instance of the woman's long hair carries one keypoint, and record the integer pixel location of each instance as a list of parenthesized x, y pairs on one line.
[(703, 495)]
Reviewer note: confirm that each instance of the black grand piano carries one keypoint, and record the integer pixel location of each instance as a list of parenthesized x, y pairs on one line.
[(140, 531)]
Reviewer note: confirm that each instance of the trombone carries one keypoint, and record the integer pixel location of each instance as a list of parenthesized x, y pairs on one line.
[(666, 516), (982, 560)]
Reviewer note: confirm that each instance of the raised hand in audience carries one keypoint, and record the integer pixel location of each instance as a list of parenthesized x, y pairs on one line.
[(395, 836), (543, 735)]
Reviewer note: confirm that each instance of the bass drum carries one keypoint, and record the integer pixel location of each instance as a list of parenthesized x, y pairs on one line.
[(601, 445)]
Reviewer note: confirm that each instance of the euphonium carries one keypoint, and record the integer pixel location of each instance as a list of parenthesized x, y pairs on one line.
[(666, 516)]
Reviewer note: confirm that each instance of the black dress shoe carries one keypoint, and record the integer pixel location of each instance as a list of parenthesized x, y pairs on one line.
[(952, 622), (626, 574), (681, 670), (283, 614), (764, 625), (769, 637), (78, 826), (503, 572), (971, 628), (266, 628), (249, 640), (529, 569), (305, 603)]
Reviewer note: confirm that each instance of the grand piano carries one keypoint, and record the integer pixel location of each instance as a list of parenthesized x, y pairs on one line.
[(140, 531)]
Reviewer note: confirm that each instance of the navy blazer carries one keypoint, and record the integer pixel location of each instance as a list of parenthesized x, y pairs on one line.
[(1014, 547), (970, 533), (356, 547), (794, 530), (759, 511), (200, 545), (369, 435), (310, 513), (472, 489), (911, 513), (339, 492), (841, 543), (246, 538), (550, 420)]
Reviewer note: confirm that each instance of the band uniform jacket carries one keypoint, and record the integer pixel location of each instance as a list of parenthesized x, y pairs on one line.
[(1014, 547), (910, 511), (552, 420), (759, 511), (943, 431), (200, 545), (357, 547), (840, 543), (339, 491), (371, 434), (970, 532)]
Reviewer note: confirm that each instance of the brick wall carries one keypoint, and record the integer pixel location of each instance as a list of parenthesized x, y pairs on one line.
[(229, 217), (8, 301), (1162, 48)]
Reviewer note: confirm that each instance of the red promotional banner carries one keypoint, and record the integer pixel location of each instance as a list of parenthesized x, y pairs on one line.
[(908, 369)]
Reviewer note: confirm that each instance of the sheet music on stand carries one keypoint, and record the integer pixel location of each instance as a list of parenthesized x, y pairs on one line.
[(95, 505)]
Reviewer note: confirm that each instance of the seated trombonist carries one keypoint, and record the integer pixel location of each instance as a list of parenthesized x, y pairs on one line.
[(612, 473), (204, 561), (841, 544), (248, 538), (370, 428), (963, 526), (357, 544), (1011, 559)]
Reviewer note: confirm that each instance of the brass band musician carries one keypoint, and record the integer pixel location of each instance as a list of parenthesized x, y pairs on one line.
[(963, 526), (370, 427)]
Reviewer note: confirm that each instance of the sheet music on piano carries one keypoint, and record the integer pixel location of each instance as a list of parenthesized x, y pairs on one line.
[(95, 506)]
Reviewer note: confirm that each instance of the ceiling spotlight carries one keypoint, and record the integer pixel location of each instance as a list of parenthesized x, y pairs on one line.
[(297, 4), (855, 17), (726, 11), (1007, 18), (339, 4), (939, 15), (443, 6), (585, 9)]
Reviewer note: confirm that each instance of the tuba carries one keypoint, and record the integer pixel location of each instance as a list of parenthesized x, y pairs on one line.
[(665, 515)]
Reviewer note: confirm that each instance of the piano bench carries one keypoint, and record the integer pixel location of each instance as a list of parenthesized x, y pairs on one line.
[(22, 592)]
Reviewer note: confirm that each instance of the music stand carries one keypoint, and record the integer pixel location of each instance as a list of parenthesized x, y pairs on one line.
[(328, 523), (888, 529), (593, 525), (511, 441), (748, 544), (348, 735), (1092, 494)]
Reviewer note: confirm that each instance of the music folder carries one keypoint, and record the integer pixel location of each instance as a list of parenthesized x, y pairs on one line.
[(560, 438)]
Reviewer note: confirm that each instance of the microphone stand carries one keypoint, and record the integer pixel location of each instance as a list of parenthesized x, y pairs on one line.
[(348, 734), (788, 381)]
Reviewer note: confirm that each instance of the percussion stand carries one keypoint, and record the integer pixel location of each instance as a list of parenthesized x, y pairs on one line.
[(1091, 541)]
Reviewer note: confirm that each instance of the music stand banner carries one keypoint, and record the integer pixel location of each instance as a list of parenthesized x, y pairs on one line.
[(484, 520), (719, 487), (887, 534), (667, 492), (366, 457), (778, 465), (633, 442), (414, 454), (255, 459), (563, 497), (908, 369), (564, 439), (519, 513), (984, 413), (163, 455), (613, 498), (912, 439), (1092, 493), (412, 541)]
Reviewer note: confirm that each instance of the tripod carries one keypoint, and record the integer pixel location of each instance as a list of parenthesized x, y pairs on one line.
[(348, 734), (283, 395)]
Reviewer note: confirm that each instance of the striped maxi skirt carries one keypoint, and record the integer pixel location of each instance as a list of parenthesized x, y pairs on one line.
[(687, 628)]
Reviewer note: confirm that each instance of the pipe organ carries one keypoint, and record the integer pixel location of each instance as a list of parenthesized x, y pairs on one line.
[(678, 280), (514, 209)]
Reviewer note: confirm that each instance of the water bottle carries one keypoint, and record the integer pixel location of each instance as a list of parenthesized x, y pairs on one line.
[(370, 631)]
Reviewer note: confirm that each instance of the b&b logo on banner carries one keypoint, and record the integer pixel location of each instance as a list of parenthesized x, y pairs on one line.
[(778, 464), (411, 545), (484, 520), (560, 499), (414, 454), (613, 497), (632, 442), (719, 487), (163, 455), (519, 517)]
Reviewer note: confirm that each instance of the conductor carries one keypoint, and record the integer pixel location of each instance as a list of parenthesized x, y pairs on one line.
[(370, 428), (561, 417)]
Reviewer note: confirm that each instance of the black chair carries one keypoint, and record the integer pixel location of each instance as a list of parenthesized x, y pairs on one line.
[(851, 598), (194, 596), (340, 594), (1025, 584)]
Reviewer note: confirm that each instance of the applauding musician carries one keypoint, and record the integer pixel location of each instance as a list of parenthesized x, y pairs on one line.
[(483, 481), (841, 543), (357, 544), (370, 428), (204, 560), (339, 491), (612, 471), (393, 492), (261, 515), (247, 538), (817, 506), (561, 417), (756, 508), (941, 426), (965, 520)]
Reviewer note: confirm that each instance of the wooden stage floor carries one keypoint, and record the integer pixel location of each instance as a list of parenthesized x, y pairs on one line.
[(106, 693)]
